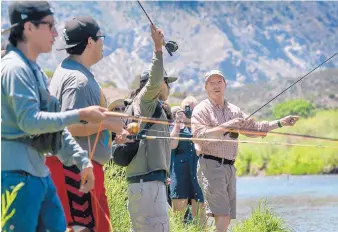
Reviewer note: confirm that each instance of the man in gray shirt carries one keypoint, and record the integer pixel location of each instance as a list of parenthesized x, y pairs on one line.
[(76, 87), (24, 100)]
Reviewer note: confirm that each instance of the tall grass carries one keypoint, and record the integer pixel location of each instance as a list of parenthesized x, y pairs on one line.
[(262, 219), (116, 190)]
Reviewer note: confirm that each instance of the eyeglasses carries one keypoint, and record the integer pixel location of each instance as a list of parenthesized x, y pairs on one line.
[(99, 36), (167, 83), (51, 25), (119, 109)]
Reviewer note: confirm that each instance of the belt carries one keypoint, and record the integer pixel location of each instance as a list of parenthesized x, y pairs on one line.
[(159, 175), (219, 160)]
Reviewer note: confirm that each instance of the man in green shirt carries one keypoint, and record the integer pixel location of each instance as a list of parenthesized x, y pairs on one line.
[(148, 171)]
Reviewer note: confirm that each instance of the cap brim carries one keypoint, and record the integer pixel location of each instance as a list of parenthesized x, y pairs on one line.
[(8, 30), (206, 79), (115, 103), (65, 46), (171, 79)]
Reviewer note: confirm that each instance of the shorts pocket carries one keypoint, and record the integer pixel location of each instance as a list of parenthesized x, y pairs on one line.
[(216, 186), (157, 224), (135, 190), (181, 166), (135, 193)]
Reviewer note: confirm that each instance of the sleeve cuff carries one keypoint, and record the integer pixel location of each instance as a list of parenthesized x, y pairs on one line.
[(71, 117), (158, 55), (273, 125), (85, 162)]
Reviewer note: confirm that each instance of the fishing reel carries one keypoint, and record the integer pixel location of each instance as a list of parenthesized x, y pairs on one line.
[(232, 134), (171, 47), (133, 129)]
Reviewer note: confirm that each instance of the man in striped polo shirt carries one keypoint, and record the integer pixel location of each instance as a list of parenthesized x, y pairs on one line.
[(217, 174)]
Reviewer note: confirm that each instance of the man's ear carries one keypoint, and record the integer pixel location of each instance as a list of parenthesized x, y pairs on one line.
[(28, 26), (90, 42)]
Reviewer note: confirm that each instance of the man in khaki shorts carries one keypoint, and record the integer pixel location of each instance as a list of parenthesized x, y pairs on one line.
[(148, 171), (216, 172)]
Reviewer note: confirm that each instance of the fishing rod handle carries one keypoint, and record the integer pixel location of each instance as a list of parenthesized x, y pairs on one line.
[(136, 137)]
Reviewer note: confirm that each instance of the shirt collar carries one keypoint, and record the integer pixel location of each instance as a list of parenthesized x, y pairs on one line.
[(213, 103), (78, 66), (20, 53)]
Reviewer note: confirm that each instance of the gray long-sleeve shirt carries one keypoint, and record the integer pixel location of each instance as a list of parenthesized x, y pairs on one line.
[(21, 116)]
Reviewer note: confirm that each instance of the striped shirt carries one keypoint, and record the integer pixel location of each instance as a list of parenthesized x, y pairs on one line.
[(208, 114)]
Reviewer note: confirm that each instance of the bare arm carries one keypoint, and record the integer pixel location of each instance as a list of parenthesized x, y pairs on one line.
[(174, 133), (179, 118)]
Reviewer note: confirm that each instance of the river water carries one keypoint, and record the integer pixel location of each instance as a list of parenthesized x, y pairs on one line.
[(307, 203)]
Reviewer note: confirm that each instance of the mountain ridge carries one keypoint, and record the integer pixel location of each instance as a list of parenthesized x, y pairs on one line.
[(251, 42)]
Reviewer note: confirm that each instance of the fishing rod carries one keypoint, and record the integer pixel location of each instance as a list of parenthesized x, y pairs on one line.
[(235, 134), (139, 137), (276, 133), (171, 46), (134, 127), (293, 84)]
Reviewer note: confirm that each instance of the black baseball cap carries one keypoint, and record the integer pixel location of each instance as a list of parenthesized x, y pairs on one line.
[(78, 30), (23, 11)]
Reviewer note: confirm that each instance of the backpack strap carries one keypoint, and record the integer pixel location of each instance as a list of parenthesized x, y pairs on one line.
[(157, 114)]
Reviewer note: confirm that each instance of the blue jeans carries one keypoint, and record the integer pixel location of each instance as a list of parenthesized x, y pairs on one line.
[(37, 206)]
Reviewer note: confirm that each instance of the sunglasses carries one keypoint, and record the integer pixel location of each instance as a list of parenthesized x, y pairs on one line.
[(50, 25), (119, 109), (167, 83)]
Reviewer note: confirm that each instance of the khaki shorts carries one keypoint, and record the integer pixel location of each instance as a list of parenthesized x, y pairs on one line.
[(148, 207), (218, 182)]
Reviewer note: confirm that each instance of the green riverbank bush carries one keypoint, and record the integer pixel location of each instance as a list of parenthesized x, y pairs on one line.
[(256, 159)]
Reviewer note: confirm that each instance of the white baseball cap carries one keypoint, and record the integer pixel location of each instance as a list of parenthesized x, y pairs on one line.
[(213, 72)]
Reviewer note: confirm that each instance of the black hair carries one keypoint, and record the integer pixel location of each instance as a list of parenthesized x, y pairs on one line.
[(79, 49), (16, 35)]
